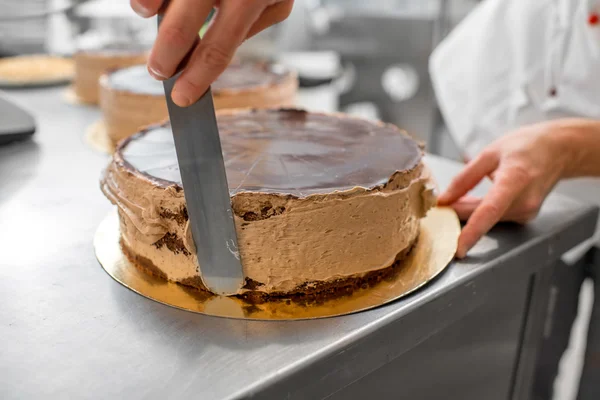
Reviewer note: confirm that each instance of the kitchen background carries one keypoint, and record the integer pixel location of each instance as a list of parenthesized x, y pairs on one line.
[(367, 58)]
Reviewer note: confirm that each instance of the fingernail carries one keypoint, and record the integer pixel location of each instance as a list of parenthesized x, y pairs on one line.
[(180, 99), (156, 75), (140, 10)]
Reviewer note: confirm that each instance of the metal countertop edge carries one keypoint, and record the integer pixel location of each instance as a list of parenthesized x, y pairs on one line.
[(575, 232)]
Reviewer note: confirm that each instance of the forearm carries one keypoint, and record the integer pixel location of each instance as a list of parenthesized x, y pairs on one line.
[(580, 139)]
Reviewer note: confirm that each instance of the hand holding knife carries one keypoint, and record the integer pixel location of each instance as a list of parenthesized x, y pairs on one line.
[(234, 22), (204, 179)]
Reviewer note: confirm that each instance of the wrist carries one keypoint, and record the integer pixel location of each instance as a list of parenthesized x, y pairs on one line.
[(575, 141)]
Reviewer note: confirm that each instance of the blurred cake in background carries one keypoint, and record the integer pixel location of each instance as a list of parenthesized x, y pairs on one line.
[(130, 98), (35, 69), (111, 36), (90, 64)]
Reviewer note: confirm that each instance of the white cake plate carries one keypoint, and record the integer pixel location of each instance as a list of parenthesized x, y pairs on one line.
[(434, 251)]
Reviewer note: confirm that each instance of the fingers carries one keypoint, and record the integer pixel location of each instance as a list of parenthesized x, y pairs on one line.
[(271, 15), (521, 211), (146, 8), (177, 34), (210, 58), (465, 206), (178, 37), (507, 187), (469, 177)]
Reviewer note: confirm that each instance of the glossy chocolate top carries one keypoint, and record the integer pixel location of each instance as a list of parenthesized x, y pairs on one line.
[(286, 152), (237, 76)]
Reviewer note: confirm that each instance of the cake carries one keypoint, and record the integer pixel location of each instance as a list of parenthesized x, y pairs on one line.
[(90, 64), (323, 203), (35, 69), (130, 98)]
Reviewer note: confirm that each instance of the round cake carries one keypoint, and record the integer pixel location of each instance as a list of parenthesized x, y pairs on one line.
[(130, 98), (35, 69), (92, 63), (322, 203)]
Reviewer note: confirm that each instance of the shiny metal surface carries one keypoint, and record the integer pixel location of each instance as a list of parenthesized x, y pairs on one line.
[(431, 255), (203, 175), (69, 332), (204, 179), (454, 363), (381, 39), (20, 36)]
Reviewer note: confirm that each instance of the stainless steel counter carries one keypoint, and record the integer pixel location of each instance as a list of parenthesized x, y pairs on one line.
[(69, 331)]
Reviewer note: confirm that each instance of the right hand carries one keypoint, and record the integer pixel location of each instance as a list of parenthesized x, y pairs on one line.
[(524, 167), (234, 22)]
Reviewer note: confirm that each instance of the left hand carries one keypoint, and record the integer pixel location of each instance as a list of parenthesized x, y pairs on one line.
[(524, 167)]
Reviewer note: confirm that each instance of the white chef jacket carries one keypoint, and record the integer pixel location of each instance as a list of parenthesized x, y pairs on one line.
[(516, 62)]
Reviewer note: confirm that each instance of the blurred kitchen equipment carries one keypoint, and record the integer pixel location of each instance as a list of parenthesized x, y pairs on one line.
[(385, 45), (320, 76), (15, 123), (388, 43), (64, 26), (103, 22), (363, 109), (26, 25)]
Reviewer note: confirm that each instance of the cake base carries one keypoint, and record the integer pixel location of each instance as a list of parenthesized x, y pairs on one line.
[(97, 138), (429, 257), (72, 98)]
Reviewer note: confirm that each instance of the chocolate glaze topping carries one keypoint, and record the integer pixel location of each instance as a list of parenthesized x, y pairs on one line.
[(286, 152), (248, 75), (237, 76)]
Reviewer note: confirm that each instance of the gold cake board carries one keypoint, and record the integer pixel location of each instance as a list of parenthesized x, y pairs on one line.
[(72, 98), (97, 138), (434, 251)]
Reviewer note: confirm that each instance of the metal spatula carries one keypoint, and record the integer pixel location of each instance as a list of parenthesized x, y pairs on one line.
[(204, 180)]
